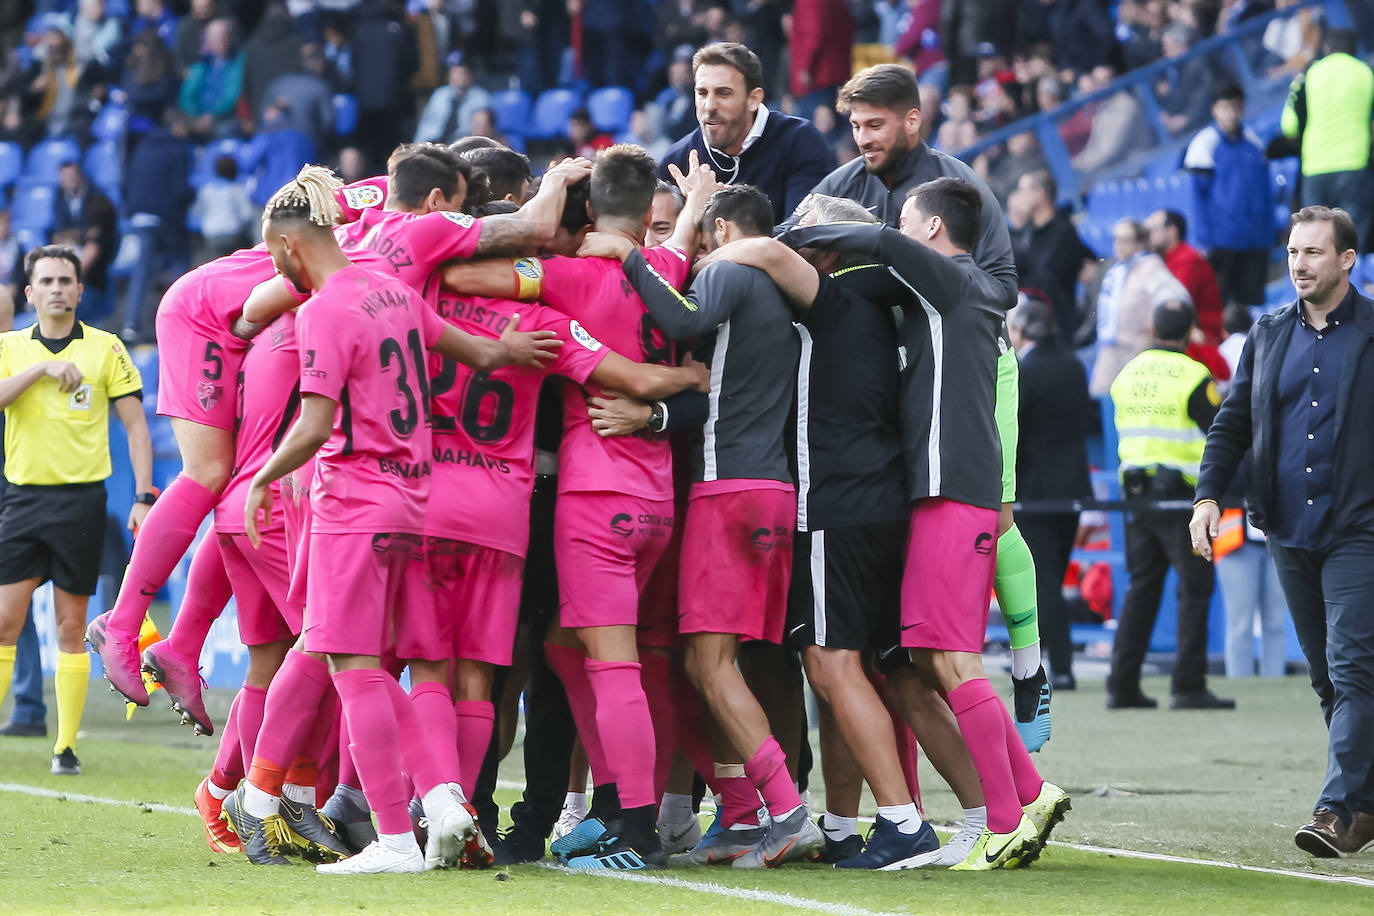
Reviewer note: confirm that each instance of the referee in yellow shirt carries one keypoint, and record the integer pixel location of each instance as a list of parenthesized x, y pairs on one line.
[(57, 381)]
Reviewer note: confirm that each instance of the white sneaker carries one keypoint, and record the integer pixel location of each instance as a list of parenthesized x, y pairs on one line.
[(957, 847), (377, 859), (568, 819), (449, 830)]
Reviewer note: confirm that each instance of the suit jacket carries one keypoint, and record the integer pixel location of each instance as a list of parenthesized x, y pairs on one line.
[(1247, 419), (1055, 415)]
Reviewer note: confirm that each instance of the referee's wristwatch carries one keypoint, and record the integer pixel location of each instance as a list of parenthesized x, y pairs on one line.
[(658, 417), (145, 499)]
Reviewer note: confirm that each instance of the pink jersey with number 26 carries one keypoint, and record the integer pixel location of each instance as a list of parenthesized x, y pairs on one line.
[(484, 423), (364, 340), (596, 293)]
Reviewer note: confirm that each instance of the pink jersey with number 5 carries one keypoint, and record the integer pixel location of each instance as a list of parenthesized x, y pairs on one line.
[(484, 423), (596, 293), (364, 340)]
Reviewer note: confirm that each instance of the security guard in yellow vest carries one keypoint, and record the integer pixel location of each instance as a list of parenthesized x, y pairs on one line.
[(1164, 403), (58, 380)]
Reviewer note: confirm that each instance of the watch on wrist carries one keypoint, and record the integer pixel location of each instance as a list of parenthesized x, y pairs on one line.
[(145, 499), (658, 417)]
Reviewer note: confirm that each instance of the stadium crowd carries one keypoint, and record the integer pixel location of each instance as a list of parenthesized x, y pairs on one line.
[(774, 502)]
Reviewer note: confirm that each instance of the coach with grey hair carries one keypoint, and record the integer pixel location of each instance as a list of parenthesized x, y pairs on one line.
[(1051, 464)]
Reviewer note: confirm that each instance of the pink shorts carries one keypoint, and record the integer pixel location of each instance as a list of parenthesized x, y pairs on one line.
[(260, 580), (736, 563), (476, 594), (198, 363), (658, 599), (605, 547), (951, 560), (356, 601)]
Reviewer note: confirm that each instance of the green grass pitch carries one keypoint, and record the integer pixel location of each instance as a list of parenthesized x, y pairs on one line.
[(1220, 786)]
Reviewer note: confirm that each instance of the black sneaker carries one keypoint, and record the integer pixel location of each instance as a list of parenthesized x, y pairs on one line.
[(266, 840), (838, 850), (624, 854), (1032, 701), (324, 844), (1131, 700), (1200, 699), (24, 730), (65, 763), (518, 846), (888, 848)]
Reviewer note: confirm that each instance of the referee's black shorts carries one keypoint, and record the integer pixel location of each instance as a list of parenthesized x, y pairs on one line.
[(53, 533), (847, 586)]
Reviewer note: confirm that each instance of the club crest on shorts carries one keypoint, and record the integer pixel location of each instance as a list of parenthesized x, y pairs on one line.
[(208, 394), (579, 334), (982, 544), (621, 523)]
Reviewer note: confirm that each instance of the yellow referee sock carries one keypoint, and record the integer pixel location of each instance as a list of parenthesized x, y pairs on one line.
[(6, 670), (73, 677)]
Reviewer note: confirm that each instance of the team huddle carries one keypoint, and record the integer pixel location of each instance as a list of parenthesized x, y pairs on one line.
[(765, 455)]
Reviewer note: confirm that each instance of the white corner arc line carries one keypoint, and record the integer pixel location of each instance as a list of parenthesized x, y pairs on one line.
[(95, 799), (724, 890)]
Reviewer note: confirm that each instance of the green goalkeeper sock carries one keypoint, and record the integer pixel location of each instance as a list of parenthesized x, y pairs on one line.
[(1015, 587)]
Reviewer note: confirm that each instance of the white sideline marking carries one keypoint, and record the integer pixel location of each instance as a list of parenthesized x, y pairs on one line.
[(95, 799), (743, 893), (723, 890)]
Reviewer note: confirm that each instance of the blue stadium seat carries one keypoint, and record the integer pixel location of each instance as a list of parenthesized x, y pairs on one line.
[(110, 124), (105, 165), (512, 107), (33, 205), (11, 163), (204, 168), (551, 112), (611, 108), (46, 159), (345, 114)]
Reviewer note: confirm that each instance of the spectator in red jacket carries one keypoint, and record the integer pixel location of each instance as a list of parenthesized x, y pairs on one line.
[(1168, 232), (822, 52)]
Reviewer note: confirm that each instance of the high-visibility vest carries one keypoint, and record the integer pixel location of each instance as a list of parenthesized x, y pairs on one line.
[(1152, 424)]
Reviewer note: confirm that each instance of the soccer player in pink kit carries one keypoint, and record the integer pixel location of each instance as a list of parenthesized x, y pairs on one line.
[(363, 341), (613, 519), (483, 427)]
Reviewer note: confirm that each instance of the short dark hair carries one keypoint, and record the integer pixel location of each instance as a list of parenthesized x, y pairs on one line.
[(1178, 222), (498, 170), (1236, 319), (1229, 92), (1044, 181), (890, 86), (464, 145), (1342, 226), (497, 207), (581, 114), (1033, 317), (958, 204), (624, 179), (415, 169), (1173, 321), (60, 252), (731, 54), (744, 205), (1341, 41), (575, 214), (227, 167)]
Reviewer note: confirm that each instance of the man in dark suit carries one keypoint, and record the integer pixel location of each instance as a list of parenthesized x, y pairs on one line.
[(1051, 463), (1301, 405), (84, 218)]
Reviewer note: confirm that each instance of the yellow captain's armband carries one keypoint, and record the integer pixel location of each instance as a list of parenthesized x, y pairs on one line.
[(529, 278)]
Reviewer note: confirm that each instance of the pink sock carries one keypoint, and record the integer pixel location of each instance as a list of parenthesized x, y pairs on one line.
[(328, 755), (293, 702), (207, 592), (348, 773), (374, 742), (625, 728), (568, 664), (983, 721), (433, 709), (767, 770), (908, 755), (1024, 775), (417, 756), (168, 530), (656, 675), (229, 768), (252, 701), (476, 718), (739, 802)]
